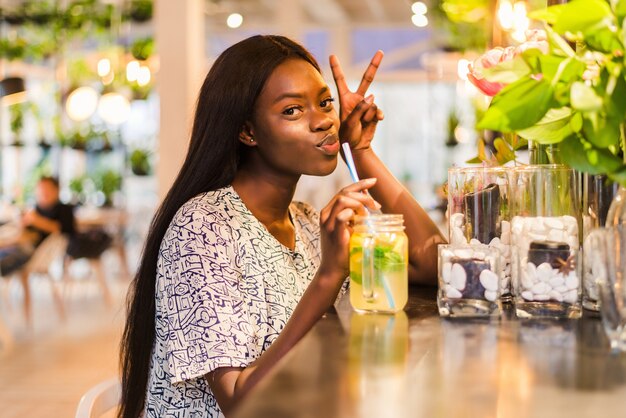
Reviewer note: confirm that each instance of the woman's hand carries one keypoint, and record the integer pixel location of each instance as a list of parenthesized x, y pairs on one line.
[(348, 100), (335, 230), (359, 127), (361, 113)]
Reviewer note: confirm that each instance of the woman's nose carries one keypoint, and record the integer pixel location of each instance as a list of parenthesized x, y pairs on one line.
[(322, 121)]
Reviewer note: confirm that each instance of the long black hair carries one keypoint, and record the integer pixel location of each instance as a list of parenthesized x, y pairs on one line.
[(225, 103)]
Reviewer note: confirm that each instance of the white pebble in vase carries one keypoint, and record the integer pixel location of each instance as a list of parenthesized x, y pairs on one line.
[(464, 253), (571, 281), (554, 223), (452, 293), (571, 296), (446, 271), (544, 272), (554, 295), (540, 289), (456, 219), (491, 295), (489, 280), (458, 277), (457, 236)]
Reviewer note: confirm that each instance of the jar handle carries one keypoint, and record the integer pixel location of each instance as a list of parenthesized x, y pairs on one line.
[(367, 268)]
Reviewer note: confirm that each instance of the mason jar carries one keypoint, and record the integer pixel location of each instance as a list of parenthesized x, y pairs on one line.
[(478, 201), (545, 241), (379, 256)]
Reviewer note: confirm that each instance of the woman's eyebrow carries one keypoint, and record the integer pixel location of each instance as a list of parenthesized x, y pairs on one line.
[(298, 95)]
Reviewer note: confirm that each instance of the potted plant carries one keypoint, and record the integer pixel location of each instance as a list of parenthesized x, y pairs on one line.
[(142, 48), (140, 163), (17, 123), (140, 10), (108, 182), (550, 93)]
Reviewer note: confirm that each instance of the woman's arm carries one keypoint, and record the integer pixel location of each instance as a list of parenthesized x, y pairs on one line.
[(231, 384), (359, 117), (424, 235)]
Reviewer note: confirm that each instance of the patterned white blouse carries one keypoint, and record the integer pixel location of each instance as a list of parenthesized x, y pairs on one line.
[(225, 288)]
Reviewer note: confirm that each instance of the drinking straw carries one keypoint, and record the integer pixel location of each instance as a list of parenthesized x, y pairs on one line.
[(355, 178)]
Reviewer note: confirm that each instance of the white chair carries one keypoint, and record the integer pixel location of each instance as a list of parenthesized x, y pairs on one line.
[(100, 399), (51, 248)]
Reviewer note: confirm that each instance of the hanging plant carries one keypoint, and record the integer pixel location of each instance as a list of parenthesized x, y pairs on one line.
[(140, 10), (14, 16), (17, 123), (140, 162), (39, 13), (142, 48), (108, 182), (13, 50)]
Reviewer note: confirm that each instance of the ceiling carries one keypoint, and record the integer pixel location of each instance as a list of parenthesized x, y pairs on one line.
[(315, 12)]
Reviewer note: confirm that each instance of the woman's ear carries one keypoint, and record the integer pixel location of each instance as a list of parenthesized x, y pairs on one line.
[(246, 136)]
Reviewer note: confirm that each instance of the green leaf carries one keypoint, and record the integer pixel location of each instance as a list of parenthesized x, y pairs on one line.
[(518, 106), (601, 130), (558, 44), (619, 175), (580, 15), (620, 10), (504, 153), (603, 160), (584, 98), (604, 39), (583, 156), (616, 105), (566, 69), (549, 14), (573, 152), (507, 71), (482, 154), (475, 160), (554, 127)]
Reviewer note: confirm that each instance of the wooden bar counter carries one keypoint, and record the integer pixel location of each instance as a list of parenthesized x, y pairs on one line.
[(417, 364)]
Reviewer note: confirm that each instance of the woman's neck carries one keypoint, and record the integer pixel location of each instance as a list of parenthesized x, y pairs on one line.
[(267, 197)]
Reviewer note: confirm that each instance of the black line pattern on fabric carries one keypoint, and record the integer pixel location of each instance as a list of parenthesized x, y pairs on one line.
[(225, 287)]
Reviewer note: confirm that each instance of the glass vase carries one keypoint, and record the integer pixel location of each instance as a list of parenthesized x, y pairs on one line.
[(598, 193), (478, 201), (545, 241)]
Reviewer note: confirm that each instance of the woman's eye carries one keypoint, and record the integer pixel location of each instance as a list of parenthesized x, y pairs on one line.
[(327, 102), (292, 111)]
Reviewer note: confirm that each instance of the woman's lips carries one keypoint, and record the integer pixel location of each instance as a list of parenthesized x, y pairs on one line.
[(330, 149), (330, 144)]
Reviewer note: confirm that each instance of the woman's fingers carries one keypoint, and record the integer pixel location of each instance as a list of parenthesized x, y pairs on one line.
[(359, 186), (357, 113), (355, 191), (340, 79), (371, 114), (370, 73), (344, 205)]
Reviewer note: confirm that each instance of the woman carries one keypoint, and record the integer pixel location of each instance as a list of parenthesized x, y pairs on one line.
[(242, 272)]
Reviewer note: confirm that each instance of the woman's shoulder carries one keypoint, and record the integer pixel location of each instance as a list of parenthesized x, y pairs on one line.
[(215, 206)]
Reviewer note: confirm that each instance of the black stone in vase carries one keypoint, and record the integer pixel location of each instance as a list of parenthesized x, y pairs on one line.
[(473, 267), (482, 209), (552, 252)]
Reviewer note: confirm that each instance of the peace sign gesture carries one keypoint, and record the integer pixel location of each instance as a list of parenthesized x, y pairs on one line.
[(348, 99)]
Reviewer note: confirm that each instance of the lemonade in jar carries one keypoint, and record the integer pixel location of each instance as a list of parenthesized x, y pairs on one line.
[(378, 264)]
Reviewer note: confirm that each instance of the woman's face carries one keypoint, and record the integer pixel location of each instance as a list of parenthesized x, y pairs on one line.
[(295, 124)]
